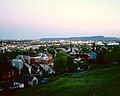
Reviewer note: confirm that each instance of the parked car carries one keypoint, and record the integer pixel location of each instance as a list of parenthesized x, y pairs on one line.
[(3, 86), (16, 85), (44, 80), (1, 89)]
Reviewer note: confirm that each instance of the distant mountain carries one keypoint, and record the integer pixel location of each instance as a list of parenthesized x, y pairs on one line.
[(101, 38)]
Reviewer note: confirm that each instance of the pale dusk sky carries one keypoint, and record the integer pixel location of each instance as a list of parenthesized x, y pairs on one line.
[(34, 19)]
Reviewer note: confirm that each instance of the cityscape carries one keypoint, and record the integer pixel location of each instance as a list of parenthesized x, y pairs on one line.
[(59, 48), (28, 63)]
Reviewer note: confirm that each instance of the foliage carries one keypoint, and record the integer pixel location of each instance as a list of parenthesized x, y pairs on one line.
[(41, 49), (51, 51), (71, 66), (12, 55), (60, 62), (26, 53), (100, 60), (113, 54), (7, 56), (37, 50)]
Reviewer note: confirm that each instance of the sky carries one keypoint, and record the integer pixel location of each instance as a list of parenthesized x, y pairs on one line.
[(34, 19)]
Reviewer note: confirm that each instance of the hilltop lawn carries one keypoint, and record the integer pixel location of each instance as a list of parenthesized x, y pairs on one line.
[(98, 82)]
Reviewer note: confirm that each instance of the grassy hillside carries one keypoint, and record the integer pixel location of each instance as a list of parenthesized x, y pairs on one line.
[(99, 82)]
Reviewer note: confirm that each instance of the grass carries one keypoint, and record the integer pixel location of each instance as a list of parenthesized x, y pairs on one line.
[(98, 82)]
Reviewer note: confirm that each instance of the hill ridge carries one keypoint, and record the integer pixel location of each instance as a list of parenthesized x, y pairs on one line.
[(102, 38)]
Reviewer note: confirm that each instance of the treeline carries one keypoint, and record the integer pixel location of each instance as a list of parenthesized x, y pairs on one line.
[(108, 56), (11, 55)]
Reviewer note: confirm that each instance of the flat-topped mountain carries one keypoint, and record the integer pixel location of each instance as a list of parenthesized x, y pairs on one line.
[(102, 38)]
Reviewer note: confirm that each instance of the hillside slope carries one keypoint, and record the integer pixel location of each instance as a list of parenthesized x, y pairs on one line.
[(98, 82)]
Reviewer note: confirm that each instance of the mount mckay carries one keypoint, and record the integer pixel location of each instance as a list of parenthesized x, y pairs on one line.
[(101, 38)]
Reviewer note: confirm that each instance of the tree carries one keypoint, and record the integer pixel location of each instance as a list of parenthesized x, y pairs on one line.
[(71, 66), (113, 55), (51, 51), (60, 63), (100, 60)]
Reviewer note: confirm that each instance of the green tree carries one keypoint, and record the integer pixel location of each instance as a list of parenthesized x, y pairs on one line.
[(71, 66), (113, 55), (60, 63), (51, 51), (100, 60)]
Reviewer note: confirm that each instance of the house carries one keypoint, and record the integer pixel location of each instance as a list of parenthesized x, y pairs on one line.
[(85, 57), (61, 49), (50, 59), (28, 79), (19, 63), (47, 68), (37, 69), (93, 55), (35, 60), (42, 58), (28, 67), (27, 58), (111, 44), (6, 72)]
